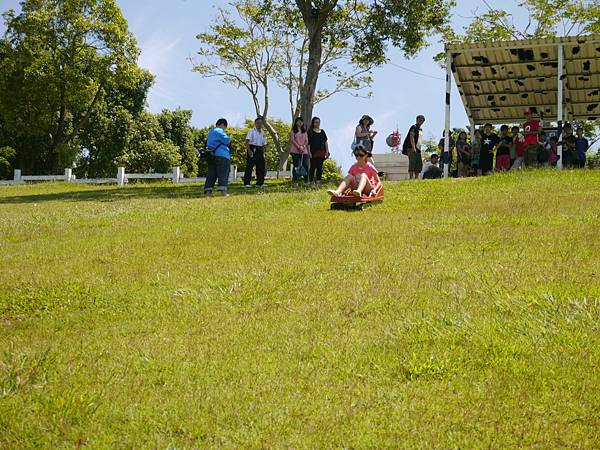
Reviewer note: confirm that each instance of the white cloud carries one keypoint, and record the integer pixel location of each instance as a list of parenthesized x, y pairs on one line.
[(158, 56), (157, 53)]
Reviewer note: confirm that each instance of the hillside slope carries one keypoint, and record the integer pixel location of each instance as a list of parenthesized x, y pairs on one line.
[(458, 313)]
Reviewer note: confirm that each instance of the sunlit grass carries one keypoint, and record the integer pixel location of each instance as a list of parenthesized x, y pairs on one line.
[(457, 314)]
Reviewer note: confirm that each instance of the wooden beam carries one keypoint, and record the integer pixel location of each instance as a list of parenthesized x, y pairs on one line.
[(524, 91), (516, 77), (518, 63)]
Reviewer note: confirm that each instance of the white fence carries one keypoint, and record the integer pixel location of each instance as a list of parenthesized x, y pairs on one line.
[(123, 178)]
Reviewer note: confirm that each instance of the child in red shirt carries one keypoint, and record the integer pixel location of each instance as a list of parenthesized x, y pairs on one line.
[(362, 178), (530, 131), (520, 146)]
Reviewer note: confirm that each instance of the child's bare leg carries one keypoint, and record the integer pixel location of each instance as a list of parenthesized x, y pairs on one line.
[(343, 186), (364, 180), (362, 183)]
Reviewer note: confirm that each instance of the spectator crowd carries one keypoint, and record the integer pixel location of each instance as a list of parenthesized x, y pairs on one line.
[(513, 148), (486, 151)]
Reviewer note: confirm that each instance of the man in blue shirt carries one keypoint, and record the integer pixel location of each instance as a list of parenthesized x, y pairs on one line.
[(218, 158), (581, 148)]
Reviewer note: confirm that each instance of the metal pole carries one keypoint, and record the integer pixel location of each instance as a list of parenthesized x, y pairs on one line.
[(446, 156), (559, 118)]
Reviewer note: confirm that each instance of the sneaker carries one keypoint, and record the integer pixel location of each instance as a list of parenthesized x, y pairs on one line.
[(247, 186), (208, 193), (356, 193), (332, 192)]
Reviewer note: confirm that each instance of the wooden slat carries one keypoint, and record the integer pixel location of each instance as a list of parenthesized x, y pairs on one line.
[(43, 178), (148, 176)]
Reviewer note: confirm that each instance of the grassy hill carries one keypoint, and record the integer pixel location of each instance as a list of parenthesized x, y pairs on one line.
[(457, 314)]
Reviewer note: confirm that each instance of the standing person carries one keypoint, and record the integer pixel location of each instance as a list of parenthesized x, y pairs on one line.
[(363, 134), (318, 150), (476, 151), (412, 148), (553, 151), (447, 156), (463, 154), (503, 151), (489, 141), (519, 141), (581, 147), (256, 141), (218, 158), (569, 145), (531, 128), (299, 151), (513, 146)]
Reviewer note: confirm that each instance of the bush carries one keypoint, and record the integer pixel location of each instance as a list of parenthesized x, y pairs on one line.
[(593, 159), (151, 156), (7, 161), (331, 171)]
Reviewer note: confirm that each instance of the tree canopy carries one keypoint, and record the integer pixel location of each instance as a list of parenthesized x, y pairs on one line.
[(296, 44), (59, 59), (531, 19)]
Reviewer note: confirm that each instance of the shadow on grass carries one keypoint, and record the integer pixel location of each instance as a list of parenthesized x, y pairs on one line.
[(143, 191)]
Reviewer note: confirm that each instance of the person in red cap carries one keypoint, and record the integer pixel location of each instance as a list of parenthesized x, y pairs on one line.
[(530, 131)]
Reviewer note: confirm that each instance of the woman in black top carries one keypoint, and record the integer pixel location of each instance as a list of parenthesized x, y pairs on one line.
[(319, 150)]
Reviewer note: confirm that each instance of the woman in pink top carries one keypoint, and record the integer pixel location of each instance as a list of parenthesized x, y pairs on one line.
[(362, 178), (299, 151)]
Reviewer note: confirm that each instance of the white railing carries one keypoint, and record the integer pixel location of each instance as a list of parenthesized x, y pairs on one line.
[(272, 174), (123, 178)]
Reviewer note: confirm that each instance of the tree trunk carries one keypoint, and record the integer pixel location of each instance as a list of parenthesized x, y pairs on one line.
[(309, 87), (61, 138), (314, 26), (276, 140), (315, 54)]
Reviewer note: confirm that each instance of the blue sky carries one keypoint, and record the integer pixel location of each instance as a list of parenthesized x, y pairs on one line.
[(166, 32)]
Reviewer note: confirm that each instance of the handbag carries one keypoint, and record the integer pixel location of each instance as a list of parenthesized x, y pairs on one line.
[(300, 170), (207, 153)]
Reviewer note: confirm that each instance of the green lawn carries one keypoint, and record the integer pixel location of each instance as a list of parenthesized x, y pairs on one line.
[(457, 314)]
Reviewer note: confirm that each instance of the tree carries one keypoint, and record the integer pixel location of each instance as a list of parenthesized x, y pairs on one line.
[(373, 26), (177, 129), (106, 136), (148, 150), (266, 45), (59, 59), (7, 156), (245, 55), (293, 44)]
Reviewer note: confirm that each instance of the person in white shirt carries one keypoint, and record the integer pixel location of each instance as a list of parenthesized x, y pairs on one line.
[(256, 141), (430, 169)]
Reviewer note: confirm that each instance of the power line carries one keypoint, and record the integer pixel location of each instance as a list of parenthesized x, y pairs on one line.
[(415, 72)]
